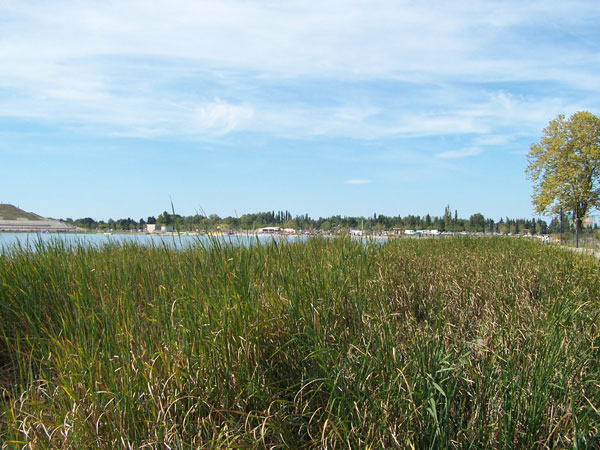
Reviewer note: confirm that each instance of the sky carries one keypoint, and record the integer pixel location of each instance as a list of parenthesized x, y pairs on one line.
[(115, 109)]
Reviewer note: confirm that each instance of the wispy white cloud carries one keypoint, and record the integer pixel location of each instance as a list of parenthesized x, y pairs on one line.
[(215, 67), (463, 153), (358, 181), (333, 38), (492, 139), (222, 117)]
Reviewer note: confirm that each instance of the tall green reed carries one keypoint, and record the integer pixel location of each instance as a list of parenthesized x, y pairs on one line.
[(445, 343)]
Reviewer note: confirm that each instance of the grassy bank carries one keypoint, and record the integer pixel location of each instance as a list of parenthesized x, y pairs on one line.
[(446, 343)]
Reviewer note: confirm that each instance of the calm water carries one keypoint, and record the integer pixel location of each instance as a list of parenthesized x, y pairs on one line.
[(29, 240)]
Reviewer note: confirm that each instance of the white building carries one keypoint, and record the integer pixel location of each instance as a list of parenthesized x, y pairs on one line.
[(157, 228), (152, 227)]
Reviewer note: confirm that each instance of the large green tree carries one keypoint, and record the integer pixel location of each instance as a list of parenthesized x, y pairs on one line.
[(565, 166), (477, 222)]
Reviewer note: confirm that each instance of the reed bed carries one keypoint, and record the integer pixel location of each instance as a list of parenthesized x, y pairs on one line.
[(437, 343)]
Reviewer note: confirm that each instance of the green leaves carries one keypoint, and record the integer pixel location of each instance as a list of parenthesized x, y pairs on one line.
[(565, 165)]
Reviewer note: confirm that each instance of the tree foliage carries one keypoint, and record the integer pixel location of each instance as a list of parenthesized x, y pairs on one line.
[(565, 166), (476, 223)]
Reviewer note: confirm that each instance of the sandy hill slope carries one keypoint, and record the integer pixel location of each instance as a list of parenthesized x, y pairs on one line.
[(15, 219), (10, 212)]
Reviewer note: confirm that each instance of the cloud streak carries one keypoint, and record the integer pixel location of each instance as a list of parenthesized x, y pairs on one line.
[(381, 39), (297, 70), (463, 153), (358, 181)]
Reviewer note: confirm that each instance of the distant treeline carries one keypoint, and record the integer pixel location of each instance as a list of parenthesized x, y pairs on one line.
[(378, 222)]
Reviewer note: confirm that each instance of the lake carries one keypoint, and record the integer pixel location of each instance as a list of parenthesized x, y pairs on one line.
[(29, 240)]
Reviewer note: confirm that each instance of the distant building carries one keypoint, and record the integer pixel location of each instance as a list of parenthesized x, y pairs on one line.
[(152, 227), (269, 230), (156, 228), (588, 222)]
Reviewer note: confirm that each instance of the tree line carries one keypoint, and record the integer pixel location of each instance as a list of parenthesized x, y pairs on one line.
[(284, 219)]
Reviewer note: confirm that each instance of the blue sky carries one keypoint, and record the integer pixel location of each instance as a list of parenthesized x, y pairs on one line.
[(111, 109)]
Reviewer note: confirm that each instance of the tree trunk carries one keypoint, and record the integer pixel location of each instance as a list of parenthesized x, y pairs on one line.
[(577, 229), (561, 226)]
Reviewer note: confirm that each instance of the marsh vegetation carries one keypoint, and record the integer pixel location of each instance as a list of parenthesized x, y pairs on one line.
[(440, 343)]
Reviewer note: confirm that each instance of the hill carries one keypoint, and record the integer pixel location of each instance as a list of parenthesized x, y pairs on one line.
[(16, 220), (10, 212)]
